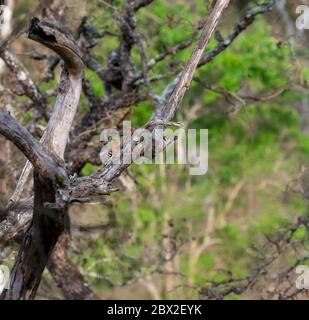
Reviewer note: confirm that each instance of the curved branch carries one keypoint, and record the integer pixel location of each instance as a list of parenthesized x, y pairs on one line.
[(58, 129), (41, 160), (50, 36)]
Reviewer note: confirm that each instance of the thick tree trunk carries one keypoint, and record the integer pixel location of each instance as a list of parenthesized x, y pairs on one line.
[(38, 243), (67, 275)]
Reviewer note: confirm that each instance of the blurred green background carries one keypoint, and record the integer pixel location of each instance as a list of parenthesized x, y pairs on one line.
[(172, 233)]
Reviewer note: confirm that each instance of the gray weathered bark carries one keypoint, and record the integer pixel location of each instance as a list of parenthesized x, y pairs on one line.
[(48, 223)]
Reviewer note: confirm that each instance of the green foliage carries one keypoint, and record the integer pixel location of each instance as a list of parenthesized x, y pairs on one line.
[(89, 169), (253, 155), (95, 82)]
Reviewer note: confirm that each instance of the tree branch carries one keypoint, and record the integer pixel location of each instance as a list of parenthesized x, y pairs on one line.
[(42, 161), (185, 79), (30, 90), (238, 29)]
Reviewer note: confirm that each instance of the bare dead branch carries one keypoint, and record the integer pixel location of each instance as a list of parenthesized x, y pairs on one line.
[(30, 147), (238, 29), (187, 74), (30, 90)]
